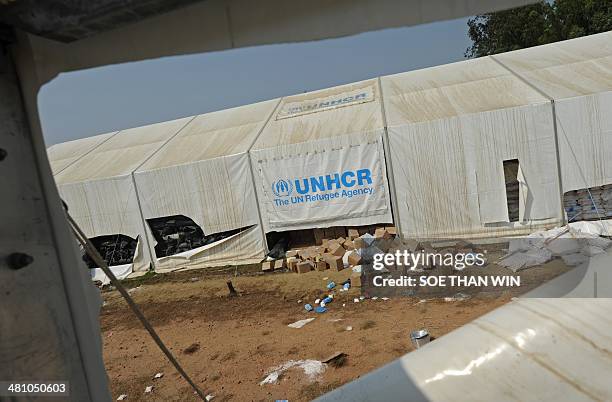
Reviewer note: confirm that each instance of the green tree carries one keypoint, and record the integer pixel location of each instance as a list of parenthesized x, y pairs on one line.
[(537, 24)]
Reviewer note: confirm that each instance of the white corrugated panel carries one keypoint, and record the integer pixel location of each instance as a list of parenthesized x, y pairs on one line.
[(63, 155), (316, 134), (577, 74), (203, 173), (99, 188), (450, 129)]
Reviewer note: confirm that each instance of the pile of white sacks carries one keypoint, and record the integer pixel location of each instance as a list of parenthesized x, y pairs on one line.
[(574, 243)]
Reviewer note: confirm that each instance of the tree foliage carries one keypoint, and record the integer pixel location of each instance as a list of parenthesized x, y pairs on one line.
[(537, 24)]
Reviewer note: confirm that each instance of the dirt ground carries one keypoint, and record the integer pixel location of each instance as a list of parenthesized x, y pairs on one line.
[(229, 344)]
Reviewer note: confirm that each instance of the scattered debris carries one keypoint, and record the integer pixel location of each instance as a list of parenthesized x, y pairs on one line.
[(385, 298), (301, 323), (148, 389), (191, 349), (458, 297), (331, 285), (209, 397), (356, 300), (158, 375), (349, 328), (122, 397), (230, 287), (336, 360), (320, 309), (194, 279), (312, 369), (132, 290), (419, 338), (308, 307), (574, 243)]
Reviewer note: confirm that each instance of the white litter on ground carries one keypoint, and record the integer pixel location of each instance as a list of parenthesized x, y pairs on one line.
[(148, 389), (301, 323), (349, 328), (458, 297), (312, 369), (574, 243), (122, 397), (159, 375), (209, 397)]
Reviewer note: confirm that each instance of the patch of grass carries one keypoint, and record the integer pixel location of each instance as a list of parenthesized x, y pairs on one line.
[(367, 324)]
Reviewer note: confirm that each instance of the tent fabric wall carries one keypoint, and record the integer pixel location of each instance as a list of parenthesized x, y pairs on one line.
[(577, 75), (450, 129), (99, 188), (204, 173), (319, 133), (63, 155)]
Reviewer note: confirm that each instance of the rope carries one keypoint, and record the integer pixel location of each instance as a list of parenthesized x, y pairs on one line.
[(93, 253)]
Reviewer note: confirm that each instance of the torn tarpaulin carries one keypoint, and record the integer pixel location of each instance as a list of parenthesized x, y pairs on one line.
[(574, 243)]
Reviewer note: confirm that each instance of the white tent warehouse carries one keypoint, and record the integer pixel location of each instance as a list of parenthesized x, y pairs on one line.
[(204, 174), (483, 147), (319, 161), (577, 75), (66, 153), (100, 193), (453, 132)]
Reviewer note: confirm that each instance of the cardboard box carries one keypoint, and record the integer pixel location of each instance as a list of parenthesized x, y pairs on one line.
[(280, 264), (304, 266), (359, 243), (337, 250), (380, 233), (354, 258), (267, 266), (356, 279), (391, 230), (334, 262), (292, 263), (353, 234), (348, 245), (291, 253), (321, 266)]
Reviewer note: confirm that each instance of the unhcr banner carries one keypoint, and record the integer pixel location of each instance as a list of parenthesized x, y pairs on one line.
[(294, 109), (325, 186)]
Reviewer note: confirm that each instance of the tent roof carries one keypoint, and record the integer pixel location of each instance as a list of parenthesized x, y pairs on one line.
[(122, 153), (576, 67), (470, 86), (212, 135), (342, 110), (64, 154)]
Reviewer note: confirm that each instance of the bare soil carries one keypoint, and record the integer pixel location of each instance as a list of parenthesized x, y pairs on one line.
[(229, 344)]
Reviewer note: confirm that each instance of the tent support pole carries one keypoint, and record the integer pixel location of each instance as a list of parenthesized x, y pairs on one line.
[(261, 227), (389, 165)]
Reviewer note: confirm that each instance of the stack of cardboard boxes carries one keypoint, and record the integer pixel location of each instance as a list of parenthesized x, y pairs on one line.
[(335, 253)]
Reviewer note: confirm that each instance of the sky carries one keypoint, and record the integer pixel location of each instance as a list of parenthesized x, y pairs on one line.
[(89, 102)]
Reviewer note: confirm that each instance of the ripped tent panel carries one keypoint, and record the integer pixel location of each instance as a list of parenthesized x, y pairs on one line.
[(117, 249), (178, 233)]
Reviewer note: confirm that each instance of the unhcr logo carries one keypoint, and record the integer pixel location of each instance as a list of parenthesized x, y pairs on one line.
[(282, 188), (333, 186)]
